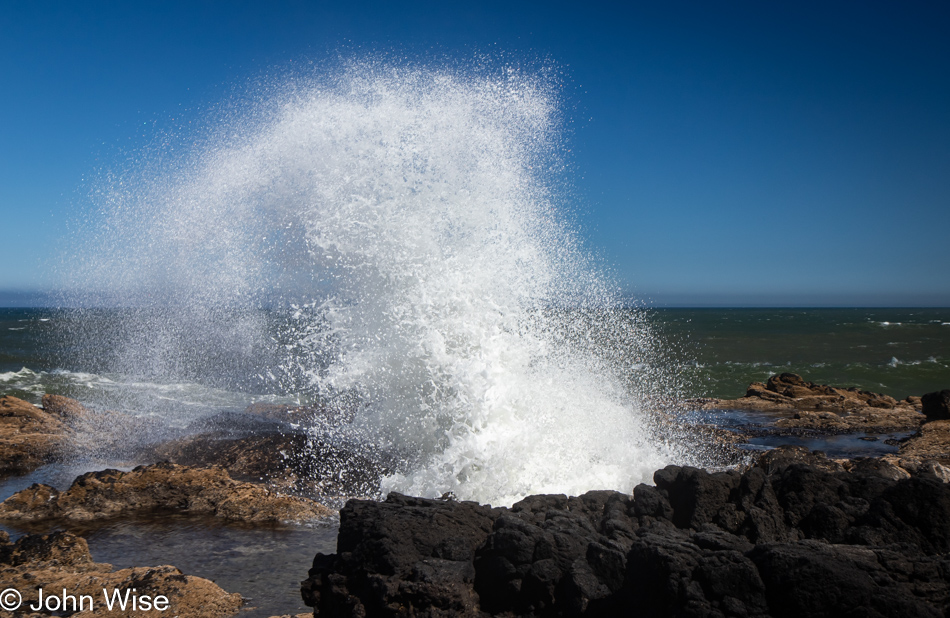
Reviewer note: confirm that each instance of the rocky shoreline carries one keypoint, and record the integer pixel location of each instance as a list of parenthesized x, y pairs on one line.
[(61, 561), (792, 533), (32, 437)]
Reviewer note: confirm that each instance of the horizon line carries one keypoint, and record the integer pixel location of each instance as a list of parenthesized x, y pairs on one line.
[(53, 299)]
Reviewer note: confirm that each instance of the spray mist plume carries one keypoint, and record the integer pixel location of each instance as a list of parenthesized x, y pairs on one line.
[(404, 225)]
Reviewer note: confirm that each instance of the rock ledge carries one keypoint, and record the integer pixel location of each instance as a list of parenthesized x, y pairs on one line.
[(795, 535), (111, 493)]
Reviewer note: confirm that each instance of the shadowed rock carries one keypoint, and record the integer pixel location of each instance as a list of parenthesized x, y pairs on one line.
[(936, 406), (418, 554), (795, 535)]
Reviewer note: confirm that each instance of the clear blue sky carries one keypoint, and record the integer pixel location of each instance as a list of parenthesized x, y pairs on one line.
[(725, 153)]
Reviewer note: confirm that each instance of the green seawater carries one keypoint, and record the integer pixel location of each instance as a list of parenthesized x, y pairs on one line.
[(718, 352), (710, 353)]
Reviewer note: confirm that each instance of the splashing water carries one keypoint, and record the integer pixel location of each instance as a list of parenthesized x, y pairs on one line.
[(409, 217)]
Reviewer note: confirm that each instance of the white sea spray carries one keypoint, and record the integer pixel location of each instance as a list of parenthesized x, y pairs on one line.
[(410, 219)]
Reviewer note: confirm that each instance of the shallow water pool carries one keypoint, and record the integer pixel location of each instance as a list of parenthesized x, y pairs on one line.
[(265, 563)]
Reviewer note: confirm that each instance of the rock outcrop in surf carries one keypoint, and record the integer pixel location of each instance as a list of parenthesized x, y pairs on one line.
[(826, 408), (794, 535), (29, 436), (161, 486)]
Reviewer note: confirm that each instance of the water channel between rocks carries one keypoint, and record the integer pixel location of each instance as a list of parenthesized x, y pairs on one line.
[(265, 563), (759, 427)]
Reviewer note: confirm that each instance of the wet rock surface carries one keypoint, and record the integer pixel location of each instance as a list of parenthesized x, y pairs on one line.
[(796, 534), (825, 408), (292, 462), (63, 429), (163, 486), (61, 562), (91, 431)]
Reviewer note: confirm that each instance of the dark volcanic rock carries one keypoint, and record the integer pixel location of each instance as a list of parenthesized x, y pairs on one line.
[(404, 552), (810, 578), (936, 406), (794, 535)]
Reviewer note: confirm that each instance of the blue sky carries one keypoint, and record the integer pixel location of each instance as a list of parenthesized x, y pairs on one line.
[(723, 153)]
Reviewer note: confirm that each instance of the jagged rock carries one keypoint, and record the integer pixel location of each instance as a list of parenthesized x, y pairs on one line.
[(110, 493), (29, 437), (794, 535), (404, 551), (878, 466), (825, 408), (810, 578), (61, 561), (936, 406)]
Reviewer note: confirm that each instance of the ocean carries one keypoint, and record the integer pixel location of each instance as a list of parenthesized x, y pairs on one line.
[(899, 352), (712, 352)]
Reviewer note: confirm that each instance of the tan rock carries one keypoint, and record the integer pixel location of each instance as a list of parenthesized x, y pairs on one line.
[(61, 562), (877, 466), (111, 493), (939, 470), (105, 432), (818, 406), (932, 441), (815, 420), (29, 436), (270, 457), (787, 455), (64, 407)]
